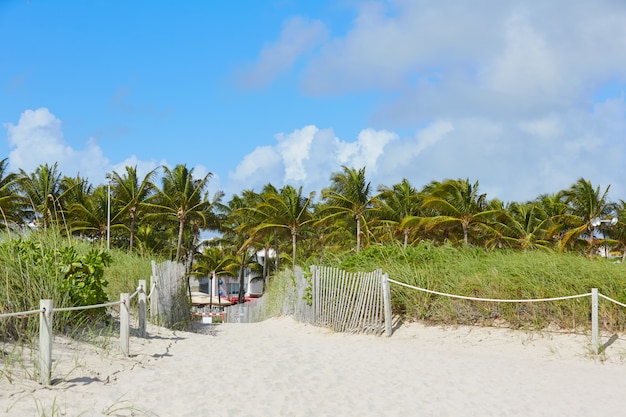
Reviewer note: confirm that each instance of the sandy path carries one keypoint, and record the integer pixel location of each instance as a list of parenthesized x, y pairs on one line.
[(284, 368)]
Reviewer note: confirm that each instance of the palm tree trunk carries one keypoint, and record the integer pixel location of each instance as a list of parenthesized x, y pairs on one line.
[(293, 248), (277, 259), (358, 234), (194, 242), (132, 234), (465, 238), (241, 281), (181, 227)]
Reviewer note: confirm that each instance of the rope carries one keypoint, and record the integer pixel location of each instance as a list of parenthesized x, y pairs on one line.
[(154, 285), (87, 307), (133, 295), (611, 300), (494, 300), (22, 313)]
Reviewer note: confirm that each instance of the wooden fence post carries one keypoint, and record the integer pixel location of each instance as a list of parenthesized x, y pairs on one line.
[(45, 342), (124, 323), (387, 304), (594, 321), (142, 307)]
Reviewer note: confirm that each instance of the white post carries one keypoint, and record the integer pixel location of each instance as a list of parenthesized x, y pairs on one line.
[(387, 304), (45, 342), (594, 321), (142, 307), (124, 323), (108, 176)]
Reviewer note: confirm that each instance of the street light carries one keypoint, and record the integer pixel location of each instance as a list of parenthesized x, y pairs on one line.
[(108, 177), (596, 221)]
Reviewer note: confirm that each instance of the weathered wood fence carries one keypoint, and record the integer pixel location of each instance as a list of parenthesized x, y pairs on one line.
[(171, 305), (351, 302), (343, 301)]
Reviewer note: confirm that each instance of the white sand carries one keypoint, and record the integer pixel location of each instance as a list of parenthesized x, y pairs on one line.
[(284, 368)]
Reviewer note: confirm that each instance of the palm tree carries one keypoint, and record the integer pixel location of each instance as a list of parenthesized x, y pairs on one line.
[(181, 198), (89, 216), (75, 190), (213, 262), (12, 206), (236, 226), (349, 195), (458, 203), (287, 209), (525, 225), (207, 219), (42, 190), (397, 203), (584, 203), (619, 230), (131, 196)]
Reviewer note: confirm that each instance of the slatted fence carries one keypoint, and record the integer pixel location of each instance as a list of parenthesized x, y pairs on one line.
[(351, 302)]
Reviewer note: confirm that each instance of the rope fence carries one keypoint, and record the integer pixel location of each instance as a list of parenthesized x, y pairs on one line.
[(47, 309), (594, 294), (20, 313), (492, 300)]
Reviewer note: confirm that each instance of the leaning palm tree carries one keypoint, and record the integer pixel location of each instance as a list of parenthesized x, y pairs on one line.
[(131, 195), (181, 198), (349, 195), (585, 203)]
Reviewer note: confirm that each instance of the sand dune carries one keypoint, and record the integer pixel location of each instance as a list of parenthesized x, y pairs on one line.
[(284, 368)]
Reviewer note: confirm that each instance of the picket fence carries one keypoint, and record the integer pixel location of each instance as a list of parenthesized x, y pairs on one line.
[(330, 297)]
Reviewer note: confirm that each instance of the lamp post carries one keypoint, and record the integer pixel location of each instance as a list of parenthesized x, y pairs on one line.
[(108, 177), (596, 221)]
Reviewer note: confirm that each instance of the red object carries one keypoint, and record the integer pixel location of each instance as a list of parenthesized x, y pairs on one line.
[(234, 299)]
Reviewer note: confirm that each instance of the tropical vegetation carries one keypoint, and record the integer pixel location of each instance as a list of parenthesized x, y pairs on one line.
[(164, 214)]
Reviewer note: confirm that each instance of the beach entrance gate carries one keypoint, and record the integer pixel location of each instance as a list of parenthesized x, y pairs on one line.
[(351, 302)]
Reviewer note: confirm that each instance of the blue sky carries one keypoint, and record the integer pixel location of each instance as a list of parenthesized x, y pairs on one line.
[(523, 96)]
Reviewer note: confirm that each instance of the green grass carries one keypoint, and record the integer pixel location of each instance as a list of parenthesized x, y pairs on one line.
[(28, 273), (124, 273), (499, 274)]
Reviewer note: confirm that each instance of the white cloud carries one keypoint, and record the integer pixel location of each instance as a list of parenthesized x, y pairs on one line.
[(260, 166), (294, 149), (309, 156), (498, 92), (368, 148), (297, 37), (546, 127), (143, 167), (37, 139)]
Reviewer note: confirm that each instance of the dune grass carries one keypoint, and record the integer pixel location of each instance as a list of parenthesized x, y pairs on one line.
[(32, 268), (498, 274)]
